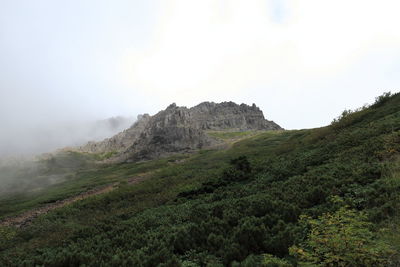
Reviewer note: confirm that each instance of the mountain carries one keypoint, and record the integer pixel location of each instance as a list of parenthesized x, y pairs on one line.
[(180, 129), (327, 196)]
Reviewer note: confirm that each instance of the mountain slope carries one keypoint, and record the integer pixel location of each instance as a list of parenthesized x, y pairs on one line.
[(222, 207)]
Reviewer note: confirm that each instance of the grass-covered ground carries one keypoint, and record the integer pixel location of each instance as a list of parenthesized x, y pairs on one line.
[(236, 207), (78, 172), (230, 135)]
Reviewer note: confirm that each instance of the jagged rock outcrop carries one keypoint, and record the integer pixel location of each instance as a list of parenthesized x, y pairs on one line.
[(180, 129), (228, 115), (120, 141)]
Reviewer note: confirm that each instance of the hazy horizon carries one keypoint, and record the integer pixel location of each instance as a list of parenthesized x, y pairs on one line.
[(46, 138), (301, 62)]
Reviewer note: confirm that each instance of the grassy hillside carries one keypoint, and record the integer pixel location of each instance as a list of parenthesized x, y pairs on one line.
[(320, 197)]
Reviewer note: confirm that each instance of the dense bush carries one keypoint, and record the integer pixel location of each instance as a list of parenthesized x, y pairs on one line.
[(343, 238)]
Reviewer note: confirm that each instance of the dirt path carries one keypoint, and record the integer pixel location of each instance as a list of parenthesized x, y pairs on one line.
[(27, 217)]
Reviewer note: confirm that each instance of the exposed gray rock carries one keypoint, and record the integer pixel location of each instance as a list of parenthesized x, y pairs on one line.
[(169, 131), (180, 129), (228, 115), (120, 141)]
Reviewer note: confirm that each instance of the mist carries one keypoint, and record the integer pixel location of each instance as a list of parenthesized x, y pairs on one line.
[(33, 139), (20, 175)]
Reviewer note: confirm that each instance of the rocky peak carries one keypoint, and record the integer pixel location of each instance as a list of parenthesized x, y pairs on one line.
[(142, 117), (179, 129), (228, 115), (172, 106)]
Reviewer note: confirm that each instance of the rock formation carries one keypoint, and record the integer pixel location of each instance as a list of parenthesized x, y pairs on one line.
[(120, 141), (180, 129)]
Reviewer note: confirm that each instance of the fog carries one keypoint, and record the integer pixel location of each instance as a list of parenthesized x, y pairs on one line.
[(18, 175), (23, 166), (29, 140), (26, 165)]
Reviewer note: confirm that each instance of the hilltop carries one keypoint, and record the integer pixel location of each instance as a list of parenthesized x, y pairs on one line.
[(180, 129)]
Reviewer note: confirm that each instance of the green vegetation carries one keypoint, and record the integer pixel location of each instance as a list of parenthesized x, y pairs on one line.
[(342, 239), (75, 172), (226, 135), (104, 156), (267, 200)]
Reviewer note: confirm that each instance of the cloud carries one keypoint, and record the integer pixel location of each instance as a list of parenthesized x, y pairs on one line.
[(208, 48)]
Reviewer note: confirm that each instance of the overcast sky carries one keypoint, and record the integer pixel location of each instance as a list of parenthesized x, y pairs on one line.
[(301, 61)]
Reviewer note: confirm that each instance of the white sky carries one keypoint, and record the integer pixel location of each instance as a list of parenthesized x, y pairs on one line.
[(301, 61)]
